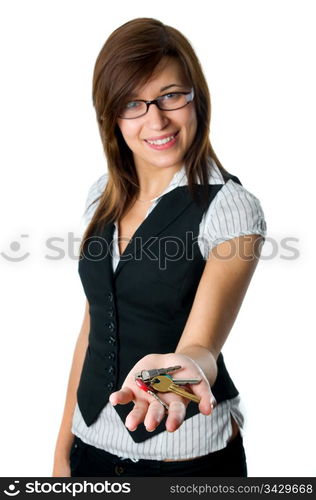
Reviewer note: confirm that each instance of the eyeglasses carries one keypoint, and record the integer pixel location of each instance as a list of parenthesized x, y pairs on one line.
[(166, 102)]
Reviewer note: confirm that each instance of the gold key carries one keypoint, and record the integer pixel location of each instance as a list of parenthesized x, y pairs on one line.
[(162, 383)]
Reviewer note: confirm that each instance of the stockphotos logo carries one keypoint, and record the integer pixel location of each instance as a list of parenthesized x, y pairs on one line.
[(72, 488), (13, 491)]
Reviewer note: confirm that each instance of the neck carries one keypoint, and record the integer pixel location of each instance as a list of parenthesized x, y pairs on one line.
[(153, 182)]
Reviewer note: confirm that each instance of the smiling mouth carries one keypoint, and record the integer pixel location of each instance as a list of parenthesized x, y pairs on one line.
[(161, 142)]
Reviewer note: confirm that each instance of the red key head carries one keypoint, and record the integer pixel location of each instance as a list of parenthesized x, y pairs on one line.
[(141, 384)]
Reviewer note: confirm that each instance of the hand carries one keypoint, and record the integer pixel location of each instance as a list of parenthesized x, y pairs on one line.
[(147, 409)]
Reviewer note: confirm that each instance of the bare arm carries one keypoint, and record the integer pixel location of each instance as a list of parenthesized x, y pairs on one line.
[(222, 288), (219, 296), (65, 436)]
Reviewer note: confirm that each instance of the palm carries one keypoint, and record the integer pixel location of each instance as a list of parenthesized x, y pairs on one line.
[(146, 408)]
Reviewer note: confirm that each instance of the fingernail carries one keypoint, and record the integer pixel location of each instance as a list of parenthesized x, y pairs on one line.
[(131, 429), (150, 430)]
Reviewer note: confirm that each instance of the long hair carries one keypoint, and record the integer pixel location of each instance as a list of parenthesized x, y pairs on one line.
[(128, 59)]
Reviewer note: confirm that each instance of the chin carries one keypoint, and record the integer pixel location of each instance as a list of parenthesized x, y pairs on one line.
[(166, 162)]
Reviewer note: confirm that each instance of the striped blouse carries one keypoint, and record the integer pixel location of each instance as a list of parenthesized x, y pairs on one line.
[(233, 212)]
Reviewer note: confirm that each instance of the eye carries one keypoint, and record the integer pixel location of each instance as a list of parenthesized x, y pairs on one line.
[(170, 100), (168, 97), (132, 105)]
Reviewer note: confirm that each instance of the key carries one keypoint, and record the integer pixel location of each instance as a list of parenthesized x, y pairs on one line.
[(179, 381), (145, 388), (162, 383), (147, 375), (184, 381)]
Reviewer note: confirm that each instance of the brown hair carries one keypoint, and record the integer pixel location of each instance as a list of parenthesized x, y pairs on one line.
[(128, 59)]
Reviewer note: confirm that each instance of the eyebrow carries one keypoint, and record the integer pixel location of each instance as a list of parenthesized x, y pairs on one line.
[(172, 85)]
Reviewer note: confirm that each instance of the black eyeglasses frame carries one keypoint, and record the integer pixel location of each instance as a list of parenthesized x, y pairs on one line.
[(156, 102)]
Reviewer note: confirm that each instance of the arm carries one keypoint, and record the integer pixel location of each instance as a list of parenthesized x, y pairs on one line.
[(231, 266), (65, 436), (220, 293)]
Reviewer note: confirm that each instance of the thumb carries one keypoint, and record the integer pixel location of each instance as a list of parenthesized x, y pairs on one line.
[(123, 396), (207, 400)]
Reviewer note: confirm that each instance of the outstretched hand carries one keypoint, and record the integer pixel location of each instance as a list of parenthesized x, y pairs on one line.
[(147, 409)]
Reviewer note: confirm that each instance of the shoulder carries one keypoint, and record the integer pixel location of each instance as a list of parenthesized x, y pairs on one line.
[(234, 211), (94, 193), (215, 175), (97, 187), (232, 195), (238, 200)]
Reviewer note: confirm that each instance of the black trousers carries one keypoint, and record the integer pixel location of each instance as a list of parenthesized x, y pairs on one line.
[(89, 461)]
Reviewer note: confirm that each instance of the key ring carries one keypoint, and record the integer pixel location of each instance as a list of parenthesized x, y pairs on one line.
[(141, 384)]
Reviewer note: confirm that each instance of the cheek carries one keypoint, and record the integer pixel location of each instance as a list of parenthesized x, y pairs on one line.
[(191, 128), (193, 122), (189, 121), (128, 130)]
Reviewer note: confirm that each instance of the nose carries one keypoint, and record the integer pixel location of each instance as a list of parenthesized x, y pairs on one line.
[(156, 119)]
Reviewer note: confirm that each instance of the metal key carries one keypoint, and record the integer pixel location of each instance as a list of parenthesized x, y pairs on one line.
[(147, 375), (184, 381), (144, 387), (162, 383)]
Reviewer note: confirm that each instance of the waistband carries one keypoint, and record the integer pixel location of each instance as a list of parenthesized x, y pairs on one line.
[(236, 442)]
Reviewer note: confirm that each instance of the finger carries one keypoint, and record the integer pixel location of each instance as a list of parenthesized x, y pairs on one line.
[(208, 404), (154, 416), (176, 414), (137, 415), (207, 399), (123, 396)]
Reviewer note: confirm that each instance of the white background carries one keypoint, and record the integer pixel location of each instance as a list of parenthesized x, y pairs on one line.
[(259, 61)]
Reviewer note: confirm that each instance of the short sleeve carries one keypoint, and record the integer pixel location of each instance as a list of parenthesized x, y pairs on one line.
[(94, 192), (234, 212)]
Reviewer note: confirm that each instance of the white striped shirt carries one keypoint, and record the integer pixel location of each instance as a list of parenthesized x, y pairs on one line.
[(233, 212)]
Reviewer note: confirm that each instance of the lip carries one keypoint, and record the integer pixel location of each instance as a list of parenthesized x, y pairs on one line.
[(167, 145), (161, 136)]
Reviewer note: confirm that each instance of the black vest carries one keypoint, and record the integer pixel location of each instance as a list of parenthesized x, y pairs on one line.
[(142, 307)]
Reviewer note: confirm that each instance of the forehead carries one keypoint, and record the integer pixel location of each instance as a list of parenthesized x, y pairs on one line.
[(168, 72)]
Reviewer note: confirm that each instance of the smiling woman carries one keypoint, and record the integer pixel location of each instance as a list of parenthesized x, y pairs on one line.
[(172, 131), (185, 237)]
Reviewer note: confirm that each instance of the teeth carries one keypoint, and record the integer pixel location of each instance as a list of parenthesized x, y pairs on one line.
[(162, 141)]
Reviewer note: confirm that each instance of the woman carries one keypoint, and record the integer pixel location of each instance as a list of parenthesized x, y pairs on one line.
[(165, 262)]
